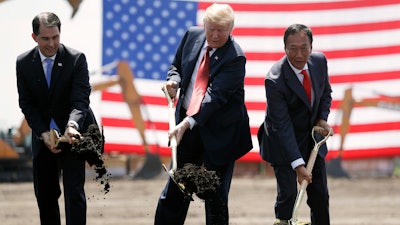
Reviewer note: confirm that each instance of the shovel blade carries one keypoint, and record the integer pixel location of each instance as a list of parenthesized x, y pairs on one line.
[(180, 185)]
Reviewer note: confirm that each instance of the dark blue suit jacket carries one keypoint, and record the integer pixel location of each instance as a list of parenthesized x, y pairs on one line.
[(66, 99), (223, 121), (285, 134)]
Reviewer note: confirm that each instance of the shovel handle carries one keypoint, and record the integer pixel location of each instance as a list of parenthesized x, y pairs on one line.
[(56, 138), (172, 123), (309, 167)]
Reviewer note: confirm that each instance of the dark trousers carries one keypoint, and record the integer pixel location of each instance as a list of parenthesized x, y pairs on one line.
[(172, 206), (47, 169), (317, 193)]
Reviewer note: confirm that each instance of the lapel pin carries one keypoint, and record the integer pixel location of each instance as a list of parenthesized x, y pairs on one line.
[(59, 64)]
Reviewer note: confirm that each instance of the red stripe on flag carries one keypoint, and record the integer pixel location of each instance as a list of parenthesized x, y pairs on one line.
[(137, 149), (290, 7), (117, 97), (319, 30), (115, 122), (338, 79), (357, 128), (365, 153), (365, 77), (334, 54), (370, 127), (255, 157)]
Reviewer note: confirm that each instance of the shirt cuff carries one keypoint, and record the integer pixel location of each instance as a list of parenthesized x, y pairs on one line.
[(191, 121), (297, 163), (73, 124)]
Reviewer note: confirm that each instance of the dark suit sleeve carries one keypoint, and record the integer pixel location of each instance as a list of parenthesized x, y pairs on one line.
[(27, 83), (81, 89), (280, 121), (326, 98), (175, 69), (226, 86)]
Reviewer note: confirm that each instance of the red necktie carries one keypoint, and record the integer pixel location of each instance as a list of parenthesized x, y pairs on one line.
[(307, 84), (200, 84)]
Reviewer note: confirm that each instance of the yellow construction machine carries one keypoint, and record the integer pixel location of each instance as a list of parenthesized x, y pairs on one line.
[(348, 102)]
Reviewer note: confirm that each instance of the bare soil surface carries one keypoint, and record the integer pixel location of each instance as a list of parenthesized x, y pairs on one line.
[(354, 201)]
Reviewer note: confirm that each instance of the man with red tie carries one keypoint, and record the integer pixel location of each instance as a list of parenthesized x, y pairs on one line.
[(299, 97), (213, 124)]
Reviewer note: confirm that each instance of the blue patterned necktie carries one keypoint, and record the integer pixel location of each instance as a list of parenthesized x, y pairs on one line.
[(49, 67)]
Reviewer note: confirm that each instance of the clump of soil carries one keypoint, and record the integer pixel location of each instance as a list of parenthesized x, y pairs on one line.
[(90, 147), (197, 180)]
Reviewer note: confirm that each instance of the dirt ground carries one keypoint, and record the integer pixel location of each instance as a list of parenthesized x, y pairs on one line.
[(354, 201)]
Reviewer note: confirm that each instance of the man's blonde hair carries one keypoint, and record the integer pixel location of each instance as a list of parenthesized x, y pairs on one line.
[(221, 14)]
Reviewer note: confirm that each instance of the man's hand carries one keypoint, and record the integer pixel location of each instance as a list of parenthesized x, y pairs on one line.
[(179, 130), (172, 88), (72, 134), (302, 174), (326, 128), (51, 146)]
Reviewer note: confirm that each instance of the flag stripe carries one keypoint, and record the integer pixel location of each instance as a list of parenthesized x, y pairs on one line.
[(344, 78), (320, 30), (348, 53), (290, 7)]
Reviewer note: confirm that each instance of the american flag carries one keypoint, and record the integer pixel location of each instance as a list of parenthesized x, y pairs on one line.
[(359, 38)]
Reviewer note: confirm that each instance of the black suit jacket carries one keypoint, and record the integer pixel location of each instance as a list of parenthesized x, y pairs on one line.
[(66, 99), (285, 134), (223, 121)]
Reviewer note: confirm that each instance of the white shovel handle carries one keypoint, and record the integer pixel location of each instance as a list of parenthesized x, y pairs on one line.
[(309, 167), (172, 123)]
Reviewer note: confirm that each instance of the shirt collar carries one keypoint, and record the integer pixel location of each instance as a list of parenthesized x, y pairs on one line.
[(297, 71), (205, 46), (42, 57)]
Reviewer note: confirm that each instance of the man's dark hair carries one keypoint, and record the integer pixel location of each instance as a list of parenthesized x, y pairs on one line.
[(47, 19), (295, 28)]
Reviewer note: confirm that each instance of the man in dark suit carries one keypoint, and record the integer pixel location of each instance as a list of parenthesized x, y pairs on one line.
[(285, 136), (219, 133), (63, 104)]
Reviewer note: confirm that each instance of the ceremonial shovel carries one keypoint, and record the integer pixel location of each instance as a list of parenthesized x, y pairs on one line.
[(173, 143), (310, 165)]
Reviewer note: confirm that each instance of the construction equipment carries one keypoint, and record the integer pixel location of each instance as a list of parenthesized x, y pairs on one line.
[(334, 166), (152, 164), (15, 154)]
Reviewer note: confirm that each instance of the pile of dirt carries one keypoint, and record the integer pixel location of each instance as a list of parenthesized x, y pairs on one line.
[(90, 147), (197, 180)]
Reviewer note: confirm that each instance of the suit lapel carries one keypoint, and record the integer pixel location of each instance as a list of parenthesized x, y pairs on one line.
[(314, 78), (57, 66), (217, 56), (294, 83), (40, 75), (197, 45)]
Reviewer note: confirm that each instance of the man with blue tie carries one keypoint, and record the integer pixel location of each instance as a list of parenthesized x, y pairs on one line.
[(53, 86), (298, 97)]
